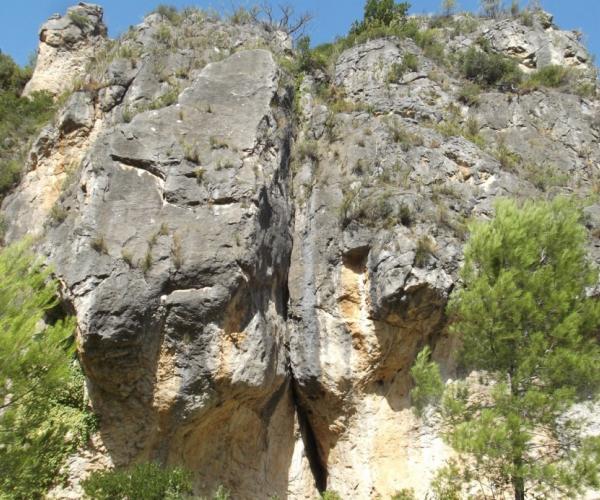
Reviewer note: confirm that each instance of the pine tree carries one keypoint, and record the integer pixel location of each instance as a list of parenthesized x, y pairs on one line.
[(528, 327), (32, 359), (41, 389)]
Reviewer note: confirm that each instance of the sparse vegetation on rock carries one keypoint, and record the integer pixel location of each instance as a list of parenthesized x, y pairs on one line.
[(258, 236)]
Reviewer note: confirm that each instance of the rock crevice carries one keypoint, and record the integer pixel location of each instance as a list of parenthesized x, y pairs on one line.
[(253, 271)]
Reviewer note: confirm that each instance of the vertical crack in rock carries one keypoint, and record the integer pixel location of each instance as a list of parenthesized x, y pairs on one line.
[(311, 444), (253, 325)]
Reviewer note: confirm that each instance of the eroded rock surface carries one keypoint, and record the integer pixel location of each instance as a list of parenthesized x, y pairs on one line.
[(252, 285), (67, 43), (197, 263)]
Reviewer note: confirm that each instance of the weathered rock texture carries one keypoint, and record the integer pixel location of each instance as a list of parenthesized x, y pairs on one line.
[(252, 285), (67, 43)]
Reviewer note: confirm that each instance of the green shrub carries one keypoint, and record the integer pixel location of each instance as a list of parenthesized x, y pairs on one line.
[(217, 142), (377, 209), (167, 99), (472, 126), (221, 494), (489, 68), (401, 136), (514, 8), (550, 76), (425, 249), (385, 12), (395, 73), (128, 113), (308, 60), (144, 481), (400, 27), (98, 244), (585, 89), (470, 131), (508, 159), (308, 149), (146, 263), (410, 63), (127, 256), (449, 128), (12, 77), (405, 215), (177, 251), (469, 94), (526, 18), (331, 127), (405, 494), (359, 167), (20, 120), (79, 20), (10, 171), (191, 152), (164, 35), (545, 176), (462, 25), (429, 43), (330, 495), (170, 13), (58, 213)]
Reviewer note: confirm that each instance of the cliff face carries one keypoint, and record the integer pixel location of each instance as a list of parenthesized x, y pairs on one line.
[(254, 267)]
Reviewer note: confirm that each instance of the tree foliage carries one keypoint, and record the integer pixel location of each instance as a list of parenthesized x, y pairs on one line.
[(42, 409), (20, 119), (428, 382), (142, 482), (381, 13), (529, 328), (488, 68), (12, 77), (385, 11)]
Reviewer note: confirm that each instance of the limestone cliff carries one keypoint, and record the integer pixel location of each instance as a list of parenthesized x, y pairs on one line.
[(67, 43), (254, 264)]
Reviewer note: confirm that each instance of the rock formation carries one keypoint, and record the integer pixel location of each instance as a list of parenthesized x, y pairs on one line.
[(67, 43), (254, 266)]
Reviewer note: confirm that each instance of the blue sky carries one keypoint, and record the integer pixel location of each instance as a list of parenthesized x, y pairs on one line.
[(21, 19)]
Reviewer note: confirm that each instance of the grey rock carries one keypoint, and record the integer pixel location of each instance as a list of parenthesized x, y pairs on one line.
[(81, 21), (77, 113), (535, 47), (121, 72), (245, 306), (189, 261), (110, 96)]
